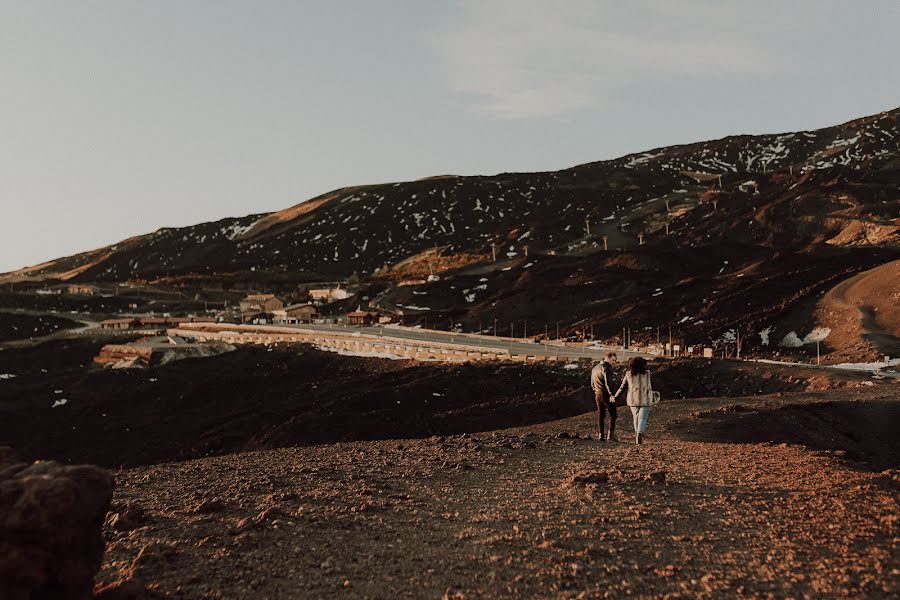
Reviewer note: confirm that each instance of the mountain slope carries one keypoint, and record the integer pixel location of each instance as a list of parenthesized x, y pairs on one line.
[(805, 187), (720, 233)]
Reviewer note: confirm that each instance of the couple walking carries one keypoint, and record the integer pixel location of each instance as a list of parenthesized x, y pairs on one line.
[(639, 399)]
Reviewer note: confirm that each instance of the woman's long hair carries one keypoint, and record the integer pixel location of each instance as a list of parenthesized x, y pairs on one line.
[(638, 365)]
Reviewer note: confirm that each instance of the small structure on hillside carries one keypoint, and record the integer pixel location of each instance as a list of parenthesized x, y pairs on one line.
[(156, 323), (295, 313), (256, 304), (120, 324), (362, 317), (82, 289), (326, 295)]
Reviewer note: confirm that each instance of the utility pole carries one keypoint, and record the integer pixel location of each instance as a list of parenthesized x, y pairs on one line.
[(480, 328), (494, 251), (818, 354), (512, 329), (624, 340), (546, 332), (738, 347), (524, 328), (525, 247), (557, 330), (657, 335), (592, 331), (670, 339), (495, 327), (605, 239), (587, 226)]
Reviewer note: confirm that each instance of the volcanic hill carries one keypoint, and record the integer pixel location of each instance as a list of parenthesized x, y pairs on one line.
[(739, 234)]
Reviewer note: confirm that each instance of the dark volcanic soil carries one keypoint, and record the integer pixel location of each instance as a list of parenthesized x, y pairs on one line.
[(15, 326), (259, 398), (862, 431)]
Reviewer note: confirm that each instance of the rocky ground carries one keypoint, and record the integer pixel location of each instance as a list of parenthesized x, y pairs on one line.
[(313, 475), (55, 404), (15, 326), (538, 511)]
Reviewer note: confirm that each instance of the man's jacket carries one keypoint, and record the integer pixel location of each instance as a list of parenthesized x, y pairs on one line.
[(601, 378)]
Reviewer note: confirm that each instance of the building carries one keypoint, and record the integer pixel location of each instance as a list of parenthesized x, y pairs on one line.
[(362, 317), (255, 304), (295, 313), (150, 322), (120, 324), (82, 289), (326, 295)]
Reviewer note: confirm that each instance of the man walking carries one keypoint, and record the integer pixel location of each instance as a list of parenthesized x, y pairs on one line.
[(603, 386)]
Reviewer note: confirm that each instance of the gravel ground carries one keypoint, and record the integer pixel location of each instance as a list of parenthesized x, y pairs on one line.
[(534, 512)]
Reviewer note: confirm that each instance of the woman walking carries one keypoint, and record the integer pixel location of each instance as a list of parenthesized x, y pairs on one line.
[(640, 395)]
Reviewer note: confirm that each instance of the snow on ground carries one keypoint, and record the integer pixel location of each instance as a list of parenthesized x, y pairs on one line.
[(870, 366), (412, 307), (60, 402), (6, 375), (791, 340), (236, 230)]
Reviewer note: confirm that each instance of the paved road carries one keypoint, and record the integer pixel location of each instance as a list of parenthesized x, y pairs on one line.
[(470, 339)]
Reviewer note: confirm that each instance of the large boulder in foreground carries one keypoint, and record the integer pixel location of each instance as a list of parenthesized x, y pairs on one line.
[(51, 518)]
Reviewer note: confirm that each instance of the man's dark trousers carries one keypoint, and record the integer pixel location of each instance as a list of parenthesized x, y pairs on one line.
[(604, 405)]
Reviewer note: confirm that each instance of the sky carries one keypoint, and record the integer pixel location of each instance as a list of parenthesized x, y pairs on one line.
[(119, 117)]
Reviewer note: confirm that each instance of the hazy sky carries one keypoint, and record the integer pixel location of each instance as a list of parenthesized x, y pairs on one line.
[(120, 117)]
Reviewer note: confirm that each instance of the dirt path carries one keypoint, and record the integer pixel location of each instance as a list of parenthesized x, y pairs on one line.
[(499, 515), (865, 309)]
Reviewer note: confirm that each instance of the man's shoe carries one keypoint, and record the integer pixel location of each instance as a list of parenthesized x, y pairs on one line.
[(640, 439), (600, 437)]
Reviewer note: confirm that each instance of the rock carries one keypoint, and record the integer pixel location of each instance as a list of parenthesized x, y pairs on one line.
[(124, 589), (118, 522), (209, 506), (125, 517), (589, 477), (51, 517), (656, 477)]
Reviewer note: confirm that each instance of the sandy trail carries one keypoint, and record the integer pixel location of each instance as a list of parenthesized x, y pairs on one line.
[(865, 307)]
